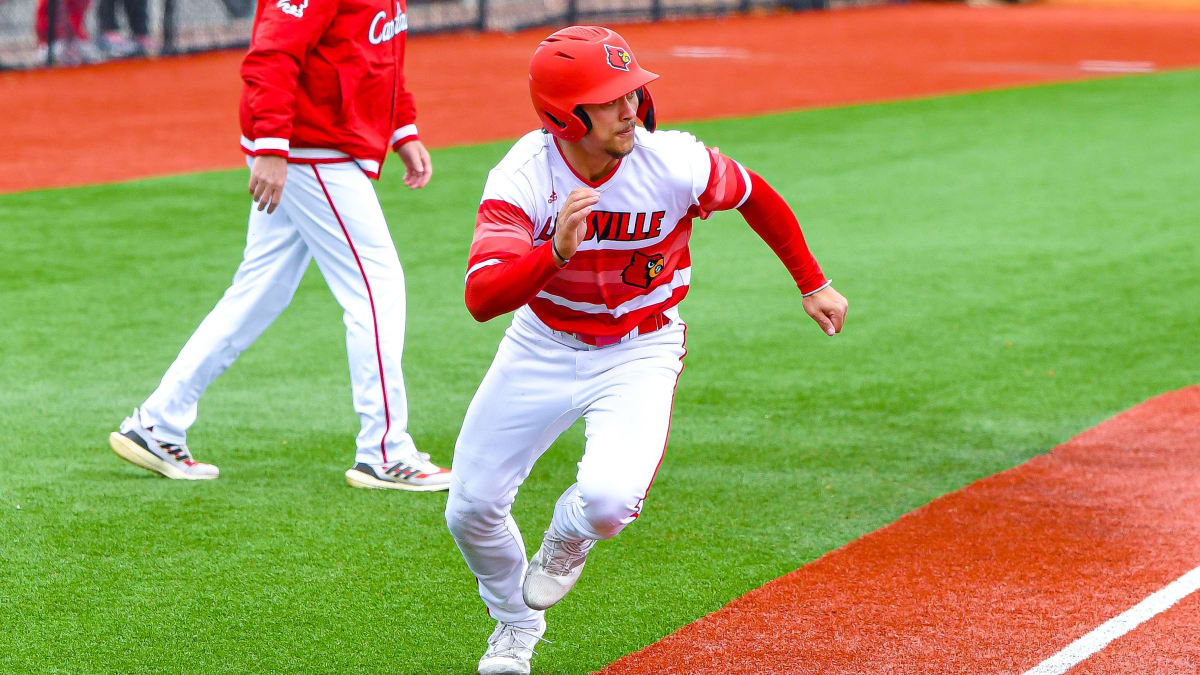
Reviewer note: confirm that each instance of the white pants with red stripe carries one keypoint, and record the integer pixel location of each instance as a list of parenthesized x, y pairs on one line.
[(538, 385), (329, 212)]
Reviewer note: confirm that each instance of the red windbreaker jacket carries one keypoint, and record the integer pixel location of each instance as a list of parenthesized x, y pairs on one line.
[(324, 79)]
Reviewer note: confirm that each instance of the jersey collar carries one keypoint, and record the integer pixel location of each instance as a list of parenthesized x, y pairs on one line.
[(590, 183)]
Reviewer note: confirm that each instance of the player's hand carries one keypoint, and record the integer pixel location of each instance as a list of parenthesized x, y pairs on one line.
[(828, 308), (571, 225), (418, 167), (267, 176)]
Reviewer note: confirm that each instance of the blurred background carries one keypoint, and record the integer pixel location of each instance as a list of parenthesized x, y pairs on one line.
[(36, 33)]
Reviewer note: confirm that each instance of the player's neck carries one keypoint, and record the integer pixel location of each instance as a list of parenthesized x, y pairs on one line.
[(592, 164)]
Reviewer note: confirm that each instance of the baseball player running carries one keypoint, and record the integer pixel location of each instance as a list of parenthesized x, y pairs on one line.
[(583, 230), (323, 99)]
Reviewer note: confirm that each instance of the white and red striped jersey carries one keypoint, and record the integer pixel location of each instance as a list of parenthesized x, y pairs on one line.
[(634, 261)]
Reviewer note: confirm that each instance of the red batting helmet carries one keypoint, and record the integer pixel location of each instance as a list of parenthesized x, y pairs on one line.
[(585, 64)]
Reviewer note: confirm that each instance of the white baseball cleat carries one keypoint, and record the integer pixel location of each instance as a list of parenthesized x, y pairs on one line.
[(415, 473), (135, 444), (553, 571), (510, 648)]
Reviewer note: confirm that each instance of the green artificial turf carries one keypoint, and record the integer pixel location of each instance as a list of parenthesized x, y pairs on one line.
[(1020, 265)]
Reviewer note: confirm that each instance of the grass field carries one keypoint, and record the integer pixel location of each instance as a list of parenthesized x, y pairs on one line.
[(1020, 265)]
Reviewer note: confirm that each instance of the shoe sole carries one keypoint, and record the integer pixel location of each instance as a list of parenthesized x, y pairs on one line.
[(502, 669), (138, 456), (358, 479)]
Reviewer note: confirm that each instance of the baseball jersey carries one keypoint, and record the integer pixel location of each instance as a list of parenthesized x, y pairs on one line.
[(634, 259)]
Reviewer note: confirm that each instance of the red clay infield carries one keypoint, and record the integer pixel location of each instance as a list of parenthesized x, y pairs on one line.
[(135, 119), (994, 578)]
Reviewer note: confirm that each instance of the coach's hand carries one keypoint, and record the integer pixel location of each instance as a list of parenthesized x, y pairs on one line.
[(418, 167), (267, 175), (571, 225), (828, 308)]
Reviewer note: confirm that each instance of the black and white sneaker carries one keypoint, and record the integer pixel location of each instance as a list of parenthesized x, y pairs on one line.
[(415, 473), (136, 444)]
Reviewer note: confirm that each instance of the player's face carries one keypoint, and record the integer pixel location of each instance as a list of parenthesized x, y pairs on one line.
[(612, 125)]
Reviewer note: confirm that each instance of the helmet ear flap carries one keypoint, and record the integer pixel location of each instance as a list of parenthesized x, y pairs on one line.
[(583, 117), (570, 127), (645, 111)]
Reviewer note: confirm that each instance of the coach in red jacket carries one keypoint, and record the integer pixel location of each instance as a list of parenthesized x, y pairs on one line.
[(330, 75), (323, 99)]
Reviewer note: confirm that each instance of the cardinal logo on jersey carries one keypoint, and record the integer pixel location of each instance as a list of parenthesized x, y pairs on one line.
[(643, 269), (292, 9), (618, 58)]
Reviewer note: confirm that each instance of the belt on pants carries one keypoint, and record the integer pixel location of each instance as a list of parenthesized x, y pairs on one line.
[(647, 325)]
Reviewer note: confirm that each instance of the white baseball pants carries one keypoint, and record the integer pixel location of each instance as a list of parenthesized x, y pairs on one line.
[(329, 212), (540, 382)]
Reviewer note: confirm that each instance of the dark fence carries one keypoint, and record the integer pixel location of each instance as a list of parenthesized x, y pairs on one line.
[(36, 33)]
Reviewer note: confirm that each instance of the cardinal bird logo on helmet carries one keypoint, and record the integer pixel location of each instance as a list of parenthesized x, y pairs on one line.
[(643, 269), (618, 58)]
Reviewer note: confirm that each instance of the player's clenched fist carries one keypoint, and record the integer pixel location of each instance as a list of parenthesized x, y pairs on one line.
[(267, 176), (571, 225), (828, 308)]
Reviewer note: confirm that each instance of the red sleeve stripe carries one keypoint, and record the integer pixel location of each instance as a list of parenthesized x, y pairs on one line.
[(501, 248), (502, 211), (499, 218), (726, 185), (749, 186), (485, 229), (502, 231)]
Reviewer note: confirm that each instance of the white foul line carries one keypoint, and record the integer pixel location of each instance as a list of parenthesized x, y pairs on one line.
[(1119, 625), (1117, 66)]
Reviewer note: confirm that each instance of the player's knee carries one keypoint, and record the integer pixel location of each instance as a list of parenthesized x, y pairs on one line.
[(608, 508), (466, 515), (461, 512)]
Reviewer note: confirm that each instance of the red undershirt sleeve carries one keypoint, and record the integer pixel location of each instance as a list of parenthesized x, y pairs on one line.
[(505, 286), (504, 269), (771, 218)]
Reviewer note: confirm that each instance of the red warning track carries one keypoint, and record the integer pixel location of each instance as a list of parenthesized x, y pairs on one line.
[(134, 119), (994, 578)]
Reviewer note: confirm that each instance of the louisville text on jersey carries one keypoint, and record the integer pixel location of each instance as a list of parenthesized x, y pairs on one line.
[(616, 226)]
